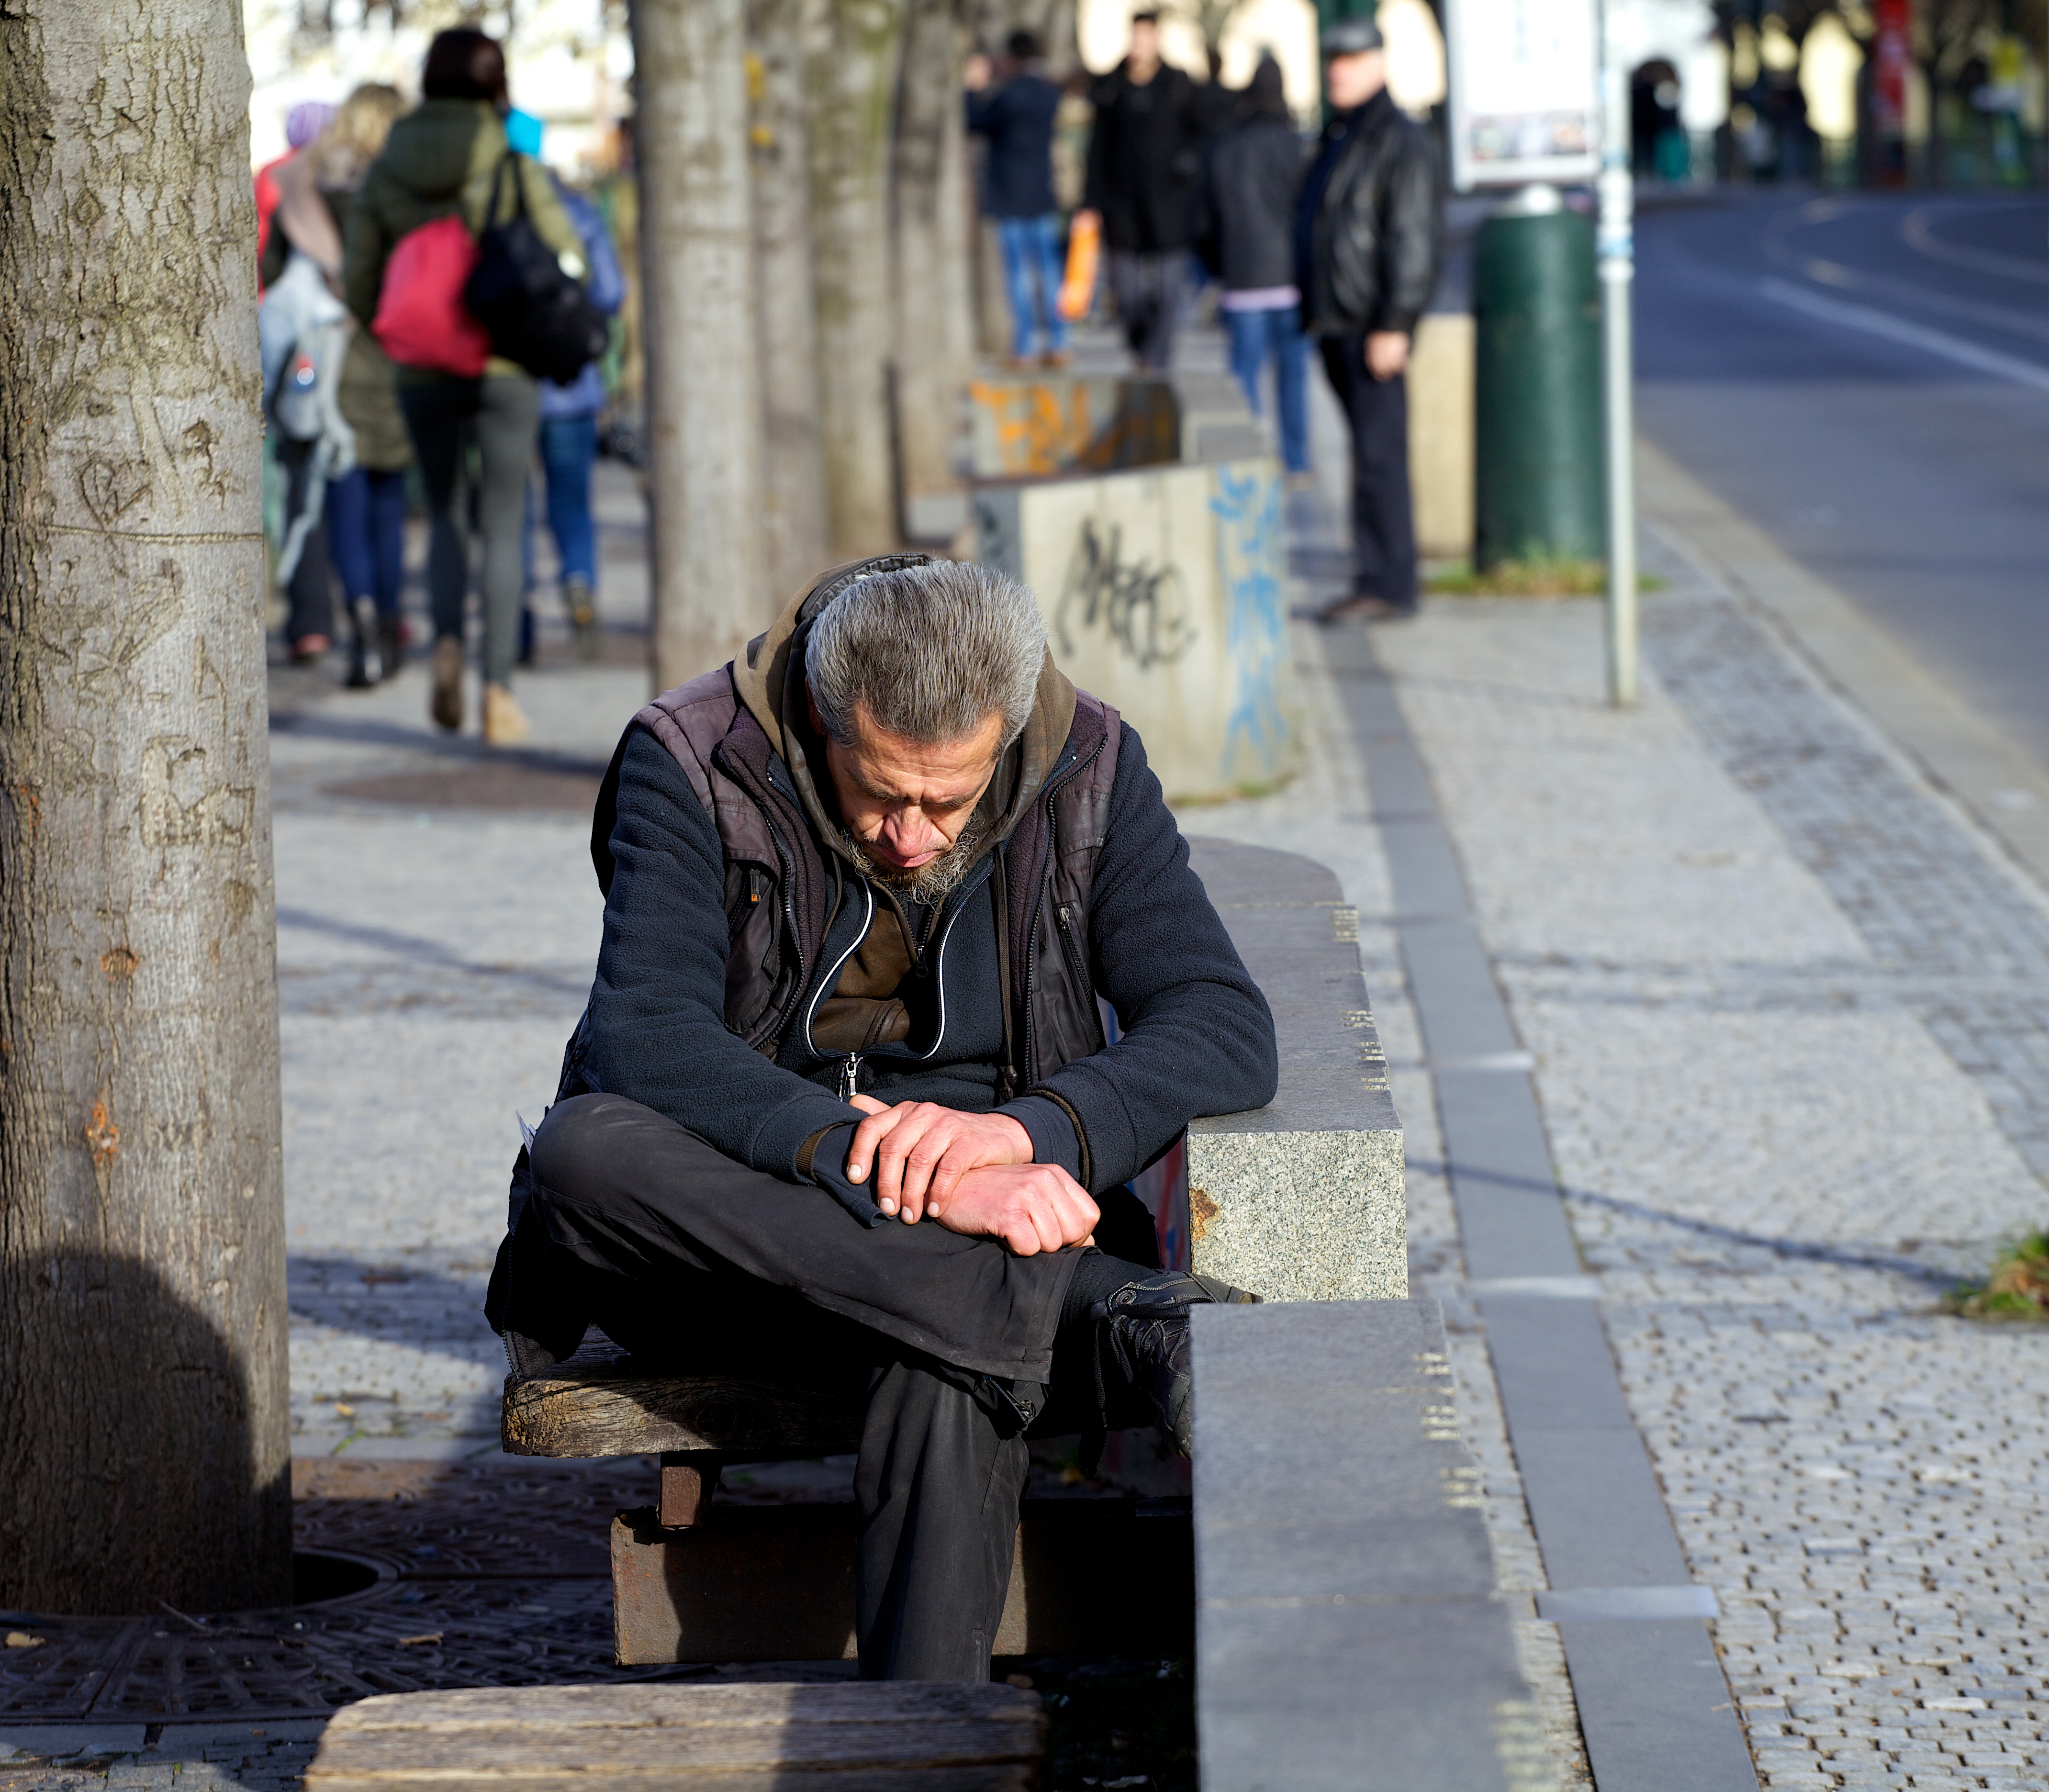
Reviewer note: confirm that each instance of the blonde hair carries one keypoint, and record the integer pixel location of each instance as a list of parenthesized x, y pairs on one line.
[(341, 155)]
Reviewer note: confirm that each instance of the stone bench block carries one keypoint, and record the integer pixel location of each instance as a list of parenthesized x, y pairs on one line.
[(906, 1736), (1346, 1611), (1042, 425), (1303, 1200)]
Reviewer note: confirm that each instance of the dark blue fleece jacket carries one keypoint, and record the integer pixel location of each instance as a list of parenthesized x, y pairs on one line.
[(1196, 1036)]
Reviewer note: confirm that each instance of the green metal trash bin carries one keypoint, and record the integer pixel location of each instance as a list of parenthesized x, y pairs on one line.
[(1538, 430)]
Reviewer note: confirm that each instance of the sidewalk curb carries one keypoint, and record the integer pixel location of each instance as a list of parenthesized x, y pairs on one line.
[(1859, 659)]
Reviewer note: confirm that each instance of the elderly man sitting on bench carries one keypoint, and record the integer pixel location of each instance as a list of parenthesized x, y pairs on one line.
[(840, 1106)]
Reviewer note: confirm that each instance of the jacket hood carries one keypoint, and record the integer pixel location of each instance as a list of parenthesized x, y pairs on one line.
[(436, 148), (769, 677)]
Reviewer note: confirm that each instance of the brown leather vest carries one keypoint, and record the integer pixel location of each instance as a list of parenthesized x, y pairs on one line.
[(777, 882)]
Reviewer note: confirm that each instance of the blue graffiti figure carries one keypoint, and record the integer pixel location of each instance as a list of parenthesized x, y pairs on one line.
[(1249, 563)]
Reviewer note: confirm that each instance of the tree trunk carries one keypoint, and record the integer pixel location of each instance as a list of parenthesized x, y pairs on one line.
[(851, 74), (704, 394), (144, 1414), (934, 321), (794, 482)]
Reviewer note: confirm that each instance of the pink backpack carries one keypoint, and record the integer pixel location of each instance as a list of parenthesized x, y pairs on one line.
[(421, 321)]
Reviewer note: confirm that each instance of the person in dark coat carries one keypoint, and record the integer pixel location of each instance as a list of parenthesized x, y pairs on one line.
[(1369, 240), (1016, 116), (841, 1108), (1145, 152), (1246, 229)]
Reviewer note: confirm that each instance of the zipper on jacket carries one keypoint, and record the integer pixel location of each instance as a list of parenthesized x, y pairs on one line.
[(850, 1071), (1032, 939), (1072, 947), (796, 995)]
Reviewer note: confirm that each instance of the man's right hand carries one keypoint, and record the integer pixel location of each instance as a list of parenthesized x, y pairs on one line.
[(1031, 1207)]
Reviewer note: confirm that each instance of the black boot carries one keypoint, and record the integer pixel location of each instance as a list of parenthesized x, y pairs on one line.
[(583, 616), (537, 1302), (389, 646), (365, 647), (1143, 1346)]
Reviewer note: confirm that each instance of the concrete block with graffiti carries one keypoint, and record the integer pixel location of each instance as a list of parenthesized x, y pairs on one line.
[(1164, 593), (1042, 425)]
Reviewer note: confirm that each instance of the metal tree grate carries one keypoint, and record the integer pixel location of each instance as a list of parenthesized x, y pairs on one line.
[(489, 1573)]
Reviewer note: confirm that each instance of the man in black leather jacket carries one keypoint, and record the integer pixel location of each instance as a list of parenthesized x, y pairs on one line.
[(1369, 238)]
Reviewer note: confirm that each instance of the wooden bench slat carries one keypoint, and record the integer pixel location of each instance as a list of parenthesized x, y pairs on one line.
[(601, 1402), (938, 1738)]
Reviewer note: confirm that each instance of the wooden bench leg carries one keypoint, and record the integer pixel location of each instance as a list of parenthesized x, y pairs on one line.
[(689, 1480)]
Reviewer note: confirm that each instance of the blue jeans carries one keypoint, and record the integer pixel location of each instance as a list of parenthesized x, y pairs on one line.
[(366, 535), (569, 449), (1255, 335), (1032, 248)]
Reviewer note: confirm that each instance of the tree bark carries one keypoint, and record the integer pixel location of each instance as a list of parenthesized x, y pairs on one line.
[(144, 1414), (793, 481), (933, 317), (851, 74), (704, 394)]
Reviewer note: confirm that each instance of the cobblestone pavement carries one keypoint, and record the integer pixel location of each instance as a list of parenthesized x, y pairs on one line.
[(1776, 990), (270, 1757)]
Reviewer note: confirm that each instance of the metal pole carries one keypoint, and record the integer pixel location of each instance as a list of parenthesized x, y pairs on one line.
[(1615, 249)]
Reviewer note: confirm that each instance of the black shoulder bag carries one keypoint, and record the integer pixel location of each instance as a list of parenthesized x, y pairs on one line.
[(534, 313)]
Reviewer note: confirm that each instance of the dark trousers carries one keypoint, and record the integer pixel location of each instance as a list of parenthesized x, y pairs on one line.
[(311, 590), (568, 451), (366, 518), (1151, 287), (1383, 521), (679, 1253), (498, 415)]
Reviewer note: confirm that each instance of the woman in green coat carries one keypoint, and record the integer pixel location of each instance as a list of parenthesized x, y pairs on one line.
[(442, 159)]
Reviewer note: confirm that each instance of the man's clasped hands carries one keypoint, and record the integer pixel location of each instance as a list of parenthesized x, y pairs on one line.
[(972, 1173)]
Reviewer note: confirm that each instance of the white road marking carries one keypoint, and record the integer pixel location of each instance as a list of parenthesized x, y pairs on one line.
[(1914, 336)]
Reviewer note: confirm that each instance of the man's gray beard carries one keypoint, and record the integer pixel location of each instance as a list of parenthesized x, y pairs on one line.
[(934, 880)]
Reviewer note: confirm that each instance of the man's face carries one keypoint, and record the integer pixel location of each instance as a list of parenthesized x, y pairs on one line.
[(1355, 79), (1144, 46), (907, 801)]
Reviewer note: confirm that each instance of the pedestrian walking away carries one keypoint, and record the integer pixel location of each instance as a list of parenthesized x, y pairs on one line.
[(303, 335), (1369, 240), (568, 427), (841, 1101), (366, 506), (1245, 230), (1144, 153), (1015, 116), (443, 162)]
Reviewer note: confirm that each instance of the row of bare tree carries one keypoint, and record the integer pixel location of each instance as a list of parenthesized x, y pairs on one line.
[(805, 240)]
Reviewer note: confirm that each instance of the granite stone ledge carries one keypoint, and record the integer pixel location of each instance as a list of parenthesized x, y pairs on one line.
[(1303, 1200)]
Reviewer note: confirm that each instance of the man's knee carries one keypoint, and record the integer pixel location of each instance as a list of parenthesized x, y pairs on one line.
[(578, 1137)]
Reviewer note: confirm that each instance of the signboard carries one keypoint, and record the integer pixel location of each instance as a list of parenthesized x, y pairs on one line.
[(1524, 98)]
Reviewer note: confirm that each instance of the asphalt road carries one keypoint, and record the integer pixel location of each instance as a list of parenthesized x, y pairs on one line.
[(1866, 378)]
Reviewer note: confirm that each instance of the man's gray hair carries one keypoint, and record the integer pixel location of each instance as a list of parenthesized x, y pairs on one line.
[(931, 652)]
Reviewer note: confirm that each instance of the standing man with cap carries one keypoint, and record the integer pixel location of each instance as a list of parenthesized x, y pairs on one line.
[(1369, 238)]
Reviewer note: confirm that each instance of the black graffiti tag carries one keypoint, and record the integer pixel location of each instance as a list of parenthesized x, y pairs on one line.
[(1141, 607)]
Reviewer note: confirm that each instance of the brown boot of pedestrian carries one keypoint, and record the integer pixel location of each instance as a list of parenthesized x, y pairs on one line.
[(446, 706), (504, 722)]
